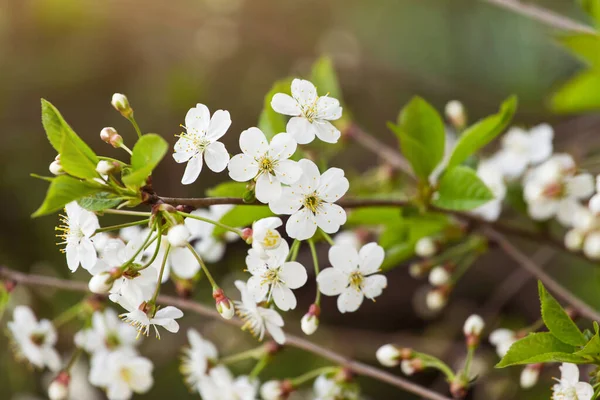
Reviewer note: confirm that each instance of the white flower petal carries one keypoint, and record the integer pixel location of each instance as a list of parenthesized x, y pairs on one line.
[(284, 297), (282, 146), (349, 300), (328, 108), (541, 143), (311, 177), (371, 257), (216, 156), (257, 289), (333, 185), (304, 92), (580, 186), (276, 333), (253, 142), (285, 104), (169, 312), (87, 254), (301, 130), (242, 168), (326, 131), (293, 274), (219, 123), (183, 262), (332, 282), (268, 188), (330, 217), (197, 118), (543, 210), (301, 225), (192, 169), (72, 253), (183, 150), (288, 203), (288, 172), (344, 258), (373, 285), (584, 391), (569, 373)]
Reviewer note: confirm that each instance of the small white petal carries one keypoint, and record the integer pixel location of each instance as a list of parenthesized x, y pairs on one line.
[(350, 300), (268, 188), (242, 168), (301, 130), (216, 156), (371, 257), (192, 170), (285, 104), (344, 258), (219, 123), (326, 131), (301, 225), (332, 282), (253, 142)]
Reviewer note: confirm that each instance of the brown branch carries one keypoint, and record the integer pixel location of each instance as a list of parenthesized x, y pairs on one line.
[(530, 266), (540, 14), (291, 340)]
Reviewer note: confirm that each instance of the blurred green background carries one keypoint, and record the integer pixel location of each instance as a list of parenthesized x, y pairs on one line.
[(167, 56)]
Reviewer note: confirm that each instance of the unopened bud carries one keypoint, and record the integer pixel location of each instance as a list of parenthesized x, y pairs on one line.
[(439, 276), (178, 235), (436, 299), (249, 196), (530, 375), (591, 246), (272, 347), (247, 235), (388, 355), (310, 320), (472, 329), (276, 390), (574, 240), (410, 367), (417, 270), (59, 388), (223, 304), (111, 136), (100, 284), (104, 167), (56, 168), (458, 389), (426, 247), (455, 112), (121, 104)]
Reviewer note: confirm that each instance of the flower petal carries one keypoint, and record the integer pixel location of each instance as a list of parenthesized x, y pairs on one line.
[(326, 131), (242, 168), (183, 262), (288, 203), (257, 289), (288, 172), (219, 123), (268, 188), (216, 156), (285, 104), (253, 142), (197, 118), (284, 297), (584, 391), (328, 108), (330, 217), (581, 186), (371, 256), (169, 312), (344, 258), (301, 225), (192, 170), (332, 282), (373, 285), (293, 274), (311, 177), (569, 373), (301, 130), (72, 253), (333, 185), (349, 300), (304, 92), (282, 146), (276, 333), (87, 254)]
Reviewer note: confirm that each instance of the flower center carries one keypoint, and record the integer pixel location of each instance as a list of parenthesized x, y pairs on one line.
[(267, 165), (356, 280), (568, 393), (271, 240), (112, 341), (126, 375), (37, 338), (310, 110), (271, 277), (195, 141), (67, 232), (553, 191), (312, 202)]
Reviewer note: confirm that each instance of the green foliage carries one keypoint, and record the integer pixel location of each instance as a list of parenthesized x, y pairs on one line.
[(148, 151), (581, 93), (460, 189), (585, 46), (99, 201), (592, 7), (592, 348), (241, 216), (374, 216), (65, 189), (421, 133), (271, 122), (537, 348), (227, 189), (325, 78), (482, 132), (557, 320)]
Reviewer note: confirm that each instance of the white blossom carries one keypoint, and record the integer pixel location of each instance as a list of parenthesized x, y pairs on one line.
[(325, 388), (265, 236), (178, 235), (219, 384), (99, 283), (309, 323), (310, 113), (490, 173), (529, 376), (107, 333), (502, 339), (435, 300), (126, 373), (34, 341), (200, 141), (521, 149), (439, 276), (76, 231), (426, 247), (142, 320), (388, 355), (272, 390), (310, 201), (197, 358), (58, 390), (274, 278), (569, 387), (258, 320), (473, 325), (104, 167), (268, 164), (353, 275)]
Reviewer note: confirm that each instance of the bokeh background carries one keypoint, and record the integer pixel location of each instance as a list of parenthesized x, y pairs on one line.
[(169, 55)]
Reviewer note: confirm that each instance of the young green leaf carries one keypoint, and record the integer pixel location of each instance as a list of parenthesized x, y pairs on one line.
[(592, 7), (227, 189), (483, 132), (460, 189), (99, 201), (537, 348), (585, 46), (394, 256), (592, 348), (325, 78), (65, 189), (557, 320), (76, 160), (422, 137), (581, 93), (271, 122), (374, 216), (241, 216), (148, 151)]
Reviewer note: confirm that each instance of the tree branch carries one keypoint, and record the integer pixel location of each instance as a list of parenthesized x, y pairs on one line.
[(291, 340), (530, 266), (546, 17)]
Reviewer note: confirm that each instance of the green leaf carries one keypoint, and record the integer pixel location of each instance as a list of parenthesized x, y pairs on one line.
[(395, 232), (557, 320), (325, 78), (591, 349), (241, 216), (271, 122), (65, 189), (461, 189), (592, 7), (76, 160), (227, 189), (394, 256), (585, 46), (483, 132), (422, 136), (536, 348), (148, 151), (374, 216), (581, 93), (99, 201)]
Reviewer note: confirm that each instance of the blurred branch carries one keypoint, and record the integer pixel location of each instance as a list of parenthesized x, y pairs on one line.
[(534, 269), (294, 341), (540, 14)]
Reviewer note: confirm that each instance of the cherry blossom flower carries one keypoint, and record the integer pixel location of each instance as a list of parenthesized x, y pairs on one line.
[(219, 384), (274, 278), (569, 387), (266, 163), (125, 373), (310, 201), (141, 320), (311, 113), (491, 175), (502, 339), (76, 231), (34, 341), (209, 247), (258, 320), (388, 355), (521, 148), (197, 358), (350, 238), (200, 141), (352, 275), (107, 333), (325, 388), (265, 236)]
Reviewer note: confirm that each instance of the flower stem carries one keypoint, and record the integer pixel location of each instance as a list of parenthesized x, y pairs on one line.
[(313, 374), (244, 355), (294, 250), (135, 125), (468, 362), (126, 149), (67, 315), (156, 251), (434, 362), (315, 258), (73, 359), (126, 212), (260, 365), (119, 226), (210, 221), (146, 243), (327, 238), (160, 275), (203, 266)]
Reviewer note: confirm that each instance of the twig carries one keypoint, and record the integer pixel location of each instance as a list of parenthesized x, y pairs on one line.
[(294, 341), (540, 14), (530, 266)]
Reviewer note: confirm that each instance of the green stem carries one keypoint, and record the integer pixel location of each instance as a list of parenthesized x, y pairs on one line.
[(135, 125), (67, 315), (260, 365), (115, 227), (156, 251), (434, 362), (328, 238), (74, 358), (160, 275), (146, 243), (313, 374), (467, 368), (294, 250), (126, 212), (210, 221), (244, 355), (126, 149), (315, 258), (204, 268)]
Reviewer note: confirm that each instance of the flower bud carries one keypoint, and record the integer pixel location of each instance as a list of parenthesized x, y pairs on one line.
[(178, 235), (223, 304), (410, 367), (436, 299), (121, 104), (99, 283), (388, 355), (591, 245), (425, 247), (310, 320), (574, 240), (111, 136), (59, 388), (56, 168), (439, 276), (458, 389), (472, 329), (247, 235), (455, 112), (276, 390), (530, 375), (104, 167)]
